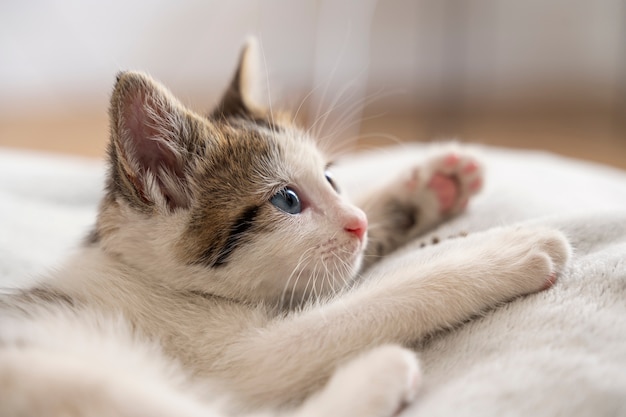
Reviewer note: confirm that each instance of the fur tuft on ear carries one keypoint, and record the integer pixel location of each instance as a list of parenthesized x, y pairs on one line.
[(151, 134), (243, 96)]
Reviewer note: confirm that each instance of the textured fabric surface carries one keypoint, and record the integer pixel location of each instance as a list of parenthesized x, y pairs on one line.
[(559, 352)]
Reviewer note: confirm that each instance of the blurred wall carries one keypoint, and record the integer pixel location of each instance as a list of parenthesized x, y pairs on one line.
[(502, 50), (439, 60), (492, 50)]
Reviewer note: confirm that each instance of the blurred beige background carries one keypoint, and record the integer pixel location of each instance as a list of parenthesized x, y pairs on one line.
[(541, 74)]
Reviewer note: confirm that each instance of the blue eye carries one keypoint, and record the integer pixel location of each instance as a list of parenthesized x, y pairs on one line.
[(287, 200)]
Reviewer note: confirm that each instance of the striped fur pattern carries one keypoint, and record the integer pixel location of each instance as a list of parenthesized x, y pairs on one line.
[(197, 294)]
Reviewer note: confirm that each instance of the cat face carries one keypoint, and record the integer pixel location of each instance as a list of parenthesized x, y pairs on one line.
[(238, 204)]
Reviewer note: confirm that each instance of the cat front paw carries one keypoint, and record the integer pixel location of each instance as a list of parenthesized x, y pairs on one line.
[(436, 189), (536, 256), (421, 198), (398, 379), (453, 176), (378, 383), (550, 251)]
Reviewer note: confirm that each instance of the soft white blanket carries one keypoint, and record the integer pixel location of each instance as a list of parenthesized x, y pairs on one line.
[(561, 352)]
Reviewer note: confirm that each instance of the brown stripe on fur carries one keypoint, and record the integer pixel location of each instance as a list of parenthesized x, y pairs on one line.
[(24, 299), (232, 186), (238, 232), (48, 295)]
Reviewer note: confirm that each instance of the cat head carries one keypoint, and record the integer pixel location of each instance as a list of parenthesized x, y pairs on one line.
[(238, 204)]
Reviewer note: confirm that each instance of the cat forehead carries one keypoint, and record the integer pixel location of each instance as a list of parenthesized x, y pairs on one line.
[(282, 153)]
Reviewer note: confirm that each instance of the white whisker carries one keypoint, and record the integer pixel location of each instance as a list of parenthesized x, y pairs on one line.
[(303, 258), (353, 109)]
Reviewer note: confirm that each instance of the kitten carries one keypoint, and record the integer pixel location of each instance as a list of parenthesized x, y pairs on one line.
[(225, 264)]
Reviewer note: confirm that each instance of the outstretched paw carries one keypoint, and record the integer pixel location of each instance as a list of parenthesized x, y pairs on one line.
[(397, 375), (453, 177), (522, 259), (421, 198), (378, 383), (544, 254)]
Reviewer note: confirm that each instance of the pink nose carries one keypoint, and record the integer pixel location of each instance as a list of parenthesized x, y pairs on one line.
[(357, 225)]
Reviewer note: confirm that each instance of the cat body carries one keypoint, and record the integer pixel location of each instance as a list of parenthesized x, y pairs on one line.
[(225, 268)]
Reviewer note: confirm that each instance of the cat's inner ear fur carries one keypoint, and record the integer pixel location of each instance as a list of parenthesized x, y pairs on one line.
[(244, 95), (151, 137)]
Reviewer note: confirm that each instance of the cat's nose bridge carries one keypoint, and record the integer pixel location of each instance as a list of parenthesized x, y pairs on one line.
[(343, 214)]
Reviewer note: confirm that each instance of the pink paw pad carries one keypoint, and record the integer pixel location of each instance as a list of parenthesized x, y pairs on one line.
[(470, 168), (451, 160), (446, 189), (455, 179)]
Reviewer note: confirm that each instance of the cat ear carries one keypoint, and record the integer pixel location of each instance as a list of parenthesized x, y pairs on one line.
[(244, 95), (151, 135)]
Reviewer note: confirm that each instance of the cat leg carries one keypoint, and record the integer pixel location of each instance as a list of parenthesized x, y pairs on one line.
[(45, 384), (421, 198), (421, 293), (378, 383), (88, 371)]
